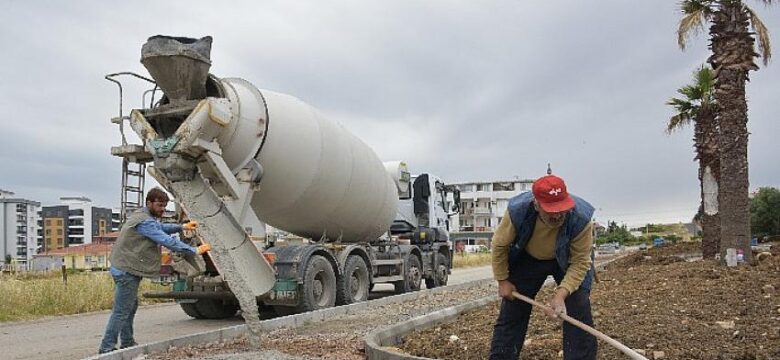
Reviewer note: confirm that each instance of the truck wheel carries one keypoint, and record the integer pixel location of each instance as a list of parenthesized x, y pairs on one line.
[(191, 310), (319, 285), (412, 276), (355, 284), (440, 271), (216, 309)]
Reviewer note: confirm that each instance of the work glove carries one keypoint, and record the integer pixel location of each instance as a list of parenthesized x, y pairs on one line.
[(190, 225), (204, 248)]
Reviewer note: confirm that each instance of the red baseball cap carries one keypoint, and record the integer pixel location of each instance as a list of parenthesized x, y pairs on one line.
[(551, 194)]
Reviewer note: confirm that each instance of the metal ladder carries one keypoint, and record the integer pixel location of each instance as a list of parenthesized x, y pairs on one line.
[(133, 178)]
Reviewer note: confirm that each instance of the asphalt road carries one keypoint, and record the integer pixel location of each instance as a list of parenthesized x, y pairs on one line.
[(78, 336)]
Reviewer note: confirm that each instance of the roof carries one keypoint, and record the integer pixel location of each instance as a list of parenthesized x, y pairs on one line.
[(19, 201), (492, 181), (87, 249), (75, 198), (109, 235)]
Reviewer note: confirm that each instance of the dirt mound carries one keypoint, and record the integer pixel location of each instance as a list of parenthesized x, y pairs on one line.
[(663, 305)]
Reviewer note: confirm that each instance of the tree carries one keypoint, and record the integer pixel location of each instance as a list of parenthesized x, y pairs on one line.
[(615, 233), (697, 106), (733, 54), (765, 212)]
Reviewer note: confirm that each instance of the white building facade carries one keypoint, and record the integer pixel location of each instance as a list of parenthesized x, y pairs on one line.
[(18, 230), (482, 204)]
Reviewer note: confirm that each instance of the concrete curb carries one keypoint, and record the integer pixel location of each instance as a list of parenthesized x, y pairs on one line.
[(377, 341), (290, 321)]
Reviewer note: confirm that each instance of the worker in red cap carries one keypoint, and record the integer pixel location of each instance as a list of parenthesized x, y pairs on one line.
[(544, 232)]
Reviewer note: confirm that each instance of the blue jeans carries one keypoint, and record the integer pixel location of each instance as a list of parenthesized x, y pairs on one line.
[(120, 324), (512, 324)]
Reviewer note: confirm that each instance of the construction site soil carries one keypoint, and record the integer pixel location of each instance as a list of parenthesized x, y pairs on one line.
[(653, 301)]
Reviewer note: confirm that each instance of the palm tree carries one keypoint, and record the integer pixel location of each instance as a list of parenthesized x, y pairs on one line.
[(733, 55), (697, 106)]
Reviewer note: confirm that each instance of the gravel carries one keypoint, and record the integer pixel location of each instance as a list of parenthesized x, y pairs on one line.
[(339, 337)]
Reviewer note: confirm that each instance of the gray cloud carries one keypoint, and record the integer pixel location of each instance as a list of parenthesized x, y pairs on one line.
[(470, 91)]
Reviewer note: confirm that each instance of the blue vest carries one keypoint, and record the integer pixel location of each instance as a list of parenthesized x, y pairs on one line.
[(523, 214)]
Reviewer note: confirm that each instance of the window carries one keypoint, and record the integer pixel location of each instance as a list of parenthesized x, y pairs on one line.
[(503, 186), (48, 222), (483, 187), (102, 227), (59, 231), (59, 222)]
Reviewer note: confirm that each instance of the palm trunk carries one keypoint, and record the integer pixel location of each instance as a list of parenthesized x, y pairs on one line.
[(706, 137), (732, 58)]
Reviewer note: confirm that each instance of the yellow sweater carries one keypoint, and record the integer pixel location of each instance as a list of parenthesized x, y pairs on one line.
[(541, 246)]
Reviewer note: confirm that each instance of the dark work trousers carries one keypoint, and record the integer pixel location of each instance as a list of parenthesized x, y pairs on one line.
[(512, 324)]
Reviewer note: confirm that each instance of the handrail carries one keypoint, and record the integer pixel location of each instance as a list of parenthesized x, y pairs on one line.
[(110, 77)]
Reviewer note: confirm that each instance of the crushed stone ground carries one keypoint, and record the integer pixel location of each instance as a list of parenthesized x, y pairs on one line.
[(336, 338), (654, 301)]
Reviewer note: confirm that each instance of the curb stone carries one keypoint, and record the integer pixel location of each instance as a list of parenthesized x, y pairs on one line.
[(378, 341), (291, 321)]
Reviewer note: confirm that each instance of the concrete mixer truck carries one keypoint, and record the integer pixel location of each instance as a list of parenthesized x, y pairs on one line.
[(236, 157)]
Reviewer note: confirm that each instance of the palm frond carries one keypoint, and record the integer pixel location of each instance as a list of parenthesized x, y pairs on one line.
[(696, 98), (691, 23), (691, 92), (685, 112), (705, 84), (677, 122), (762, 34)]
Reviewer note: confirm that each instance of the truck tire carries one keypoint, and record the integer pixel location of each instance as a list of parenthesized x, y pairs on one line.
[(412, 276), (355, 284), (216, 309), (440, 272), (319, 285), (191, 310)]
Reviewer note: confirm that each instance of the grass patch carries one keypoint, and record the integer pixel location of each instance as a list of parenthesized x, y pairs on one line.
[(34, 295), (463, 260)]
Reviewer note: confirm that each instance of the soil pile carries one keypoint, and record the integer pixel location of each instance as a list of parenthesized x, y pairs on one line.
[(653, 301)]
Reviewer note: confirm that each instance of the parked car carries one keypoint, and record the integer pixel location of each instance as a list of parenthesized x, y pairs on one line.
[(643, 246), (477, 249)]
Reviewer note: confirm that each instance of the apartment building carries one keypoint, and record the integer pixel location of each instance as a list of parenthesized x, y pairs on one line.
[(74, 222), (18, 230), (482, 204)]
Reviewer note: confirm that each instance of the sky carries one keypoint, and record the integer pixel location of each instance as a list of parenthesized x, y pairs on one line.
[(467, 90)]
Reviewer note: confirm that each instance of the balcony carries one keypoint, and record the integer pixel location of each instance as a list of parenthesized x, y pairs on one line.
[(483, 211), (76, 231), (76, 213)]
